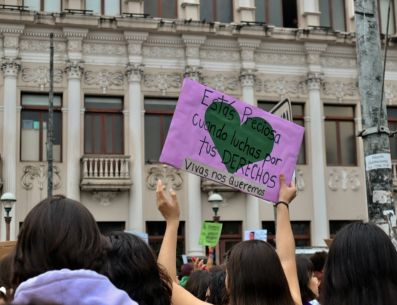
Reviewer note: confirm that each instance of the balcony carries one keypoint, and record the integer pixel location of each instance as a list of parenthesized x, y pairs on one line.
[(105, 173)]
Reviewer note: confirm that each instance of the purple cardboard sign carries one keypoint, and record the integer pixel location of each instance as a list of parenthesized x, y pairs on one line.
[(218, 137)]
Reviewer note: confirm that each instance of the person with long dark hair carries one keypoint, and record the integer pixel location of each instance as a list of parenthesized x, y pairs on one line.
[(58, 255), (132, 267), (308, 282), (361, 268), (256, 273)]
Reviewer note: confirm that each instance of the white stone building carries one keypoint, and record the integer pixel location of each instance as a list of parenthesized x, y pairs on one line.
[(117, 77)]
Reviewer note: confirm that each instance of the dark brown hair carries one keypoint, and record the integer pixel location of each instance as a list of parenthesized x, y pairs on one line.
[(255, 275), (57, 233)]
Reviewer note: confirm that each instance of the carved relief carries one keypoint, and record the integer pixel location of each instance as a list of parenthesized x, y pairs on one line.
[(279, 58), (222, 82), (103, 197), (163, 52), (10, 67), (247, 78), (41, 46), (162, 81), (314, 80), (343, 179), (220, 55), (104, 79), (281, 86), (74, 70), (134, 72), (171, 177), (104, 49), (40, 76), (340, 89), (332, 62), (247, 55), (193, 72), (135, 48), (75, 45), (38, 174), (192, 51), (11, 42)]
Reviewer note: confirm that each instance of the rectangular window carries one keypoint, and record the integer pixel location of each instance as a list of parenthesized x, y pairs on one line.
[(301, 230), (216, 10), (298, 114), (278, 13), (156, 230), (336, 225), (158, 116), (161, 8), (333, 14), (383, 6), (340, 139), (103, 126), (392, 120), (43, 5), (34, 120), (104, 7)]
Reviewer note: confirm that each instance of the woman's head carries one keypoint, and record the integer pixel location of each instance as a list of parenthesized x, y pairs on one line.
[(361, 268), (132, 267), (308, 283), (57, 233), (255, 275), (198, 283), (216, 293)]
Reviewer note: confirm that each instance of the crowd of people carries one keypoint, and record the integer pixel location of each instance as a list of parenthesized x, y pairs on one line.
[(62, 258)]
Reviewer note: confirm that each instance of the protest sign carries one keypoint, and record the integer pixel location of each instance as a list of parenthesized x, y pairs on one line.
[(210, 234), (218, 137), (255, 234)]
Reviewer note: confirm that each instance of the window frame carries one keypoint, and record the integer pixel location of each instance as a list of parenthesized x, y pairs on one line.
[(266, 14), (215, 12), (162, 114), (102, 8), (41, 110), (104, 112), (331, 16), (392, 12), (271, 238), (339, 119), (159, 13), (42, 5)]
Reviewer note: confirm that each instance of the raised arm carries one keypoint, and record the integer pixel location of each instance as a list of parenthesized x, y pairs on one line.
[(170, 211), (285, 239)]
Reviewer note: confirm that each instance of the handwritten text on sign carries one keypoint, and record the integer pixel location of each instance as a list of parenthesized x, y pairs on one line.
[(220, 138)]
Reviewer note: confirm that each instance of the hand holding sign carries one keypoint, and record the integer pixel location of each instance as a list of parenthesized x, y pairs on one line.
[(168, 208)]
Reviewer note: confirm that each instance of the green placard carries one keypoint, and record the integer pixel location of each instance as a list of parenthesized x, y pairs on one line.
[(210, 234)]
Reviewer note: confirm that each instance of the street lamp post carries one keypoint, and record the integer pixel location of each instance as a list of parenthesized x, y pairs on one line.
[(215, 200), (7, 200)]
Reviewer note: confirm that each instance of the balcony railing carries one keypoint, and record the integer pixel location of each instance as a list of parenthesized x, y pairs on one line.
[(105, 172)]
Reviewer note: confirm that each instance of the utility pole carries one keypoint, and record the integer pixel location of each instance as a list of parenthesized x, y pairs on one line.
[(375, 131), (50, 125)]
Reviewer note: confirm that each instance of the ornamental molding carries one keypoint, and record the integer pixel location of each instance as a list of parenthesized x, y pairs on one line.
[(340, 89), (104, 49), (220, 55), (193, 40), (247, 77), (332, 62), (104, 198), (40, 76), (245, 43), (162, 82), (11, 41), (193, 72), (10, 67), (75, 33), (11, 28), (315, 47), (41, 33), (37, 174), (344, 179), (37, 45), (222, 44), (171, 177), (163, 52), (136, 36), (280, 58), (105, 36), (104, 79), (164, 41), (282, 87), (222, 83)]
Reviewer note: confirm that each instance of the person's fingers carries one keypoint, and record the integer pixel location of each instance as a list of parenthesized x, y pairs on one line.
[(282, 179)]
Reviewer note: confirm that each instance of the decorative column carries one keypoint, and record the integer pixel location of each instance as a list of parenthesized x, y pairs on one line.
[(315, 128), (192, 51), (135, 118), (74, 72), (247, 80)]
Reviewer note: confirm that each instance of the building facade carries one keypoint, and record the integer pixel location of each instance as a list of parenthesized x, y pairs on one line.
[(119, 65)]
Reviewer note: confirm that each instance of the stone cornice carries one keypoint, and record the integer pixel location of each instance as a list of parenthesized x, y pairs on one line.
[(193, 39), (105, 36), (175, 41), (246, 43), (315, 47), (42, 33), (136, 36), (222, 43)]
